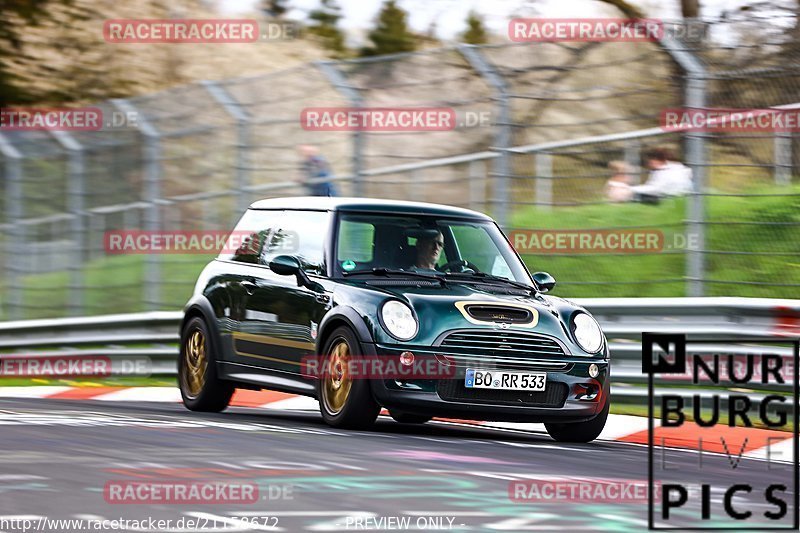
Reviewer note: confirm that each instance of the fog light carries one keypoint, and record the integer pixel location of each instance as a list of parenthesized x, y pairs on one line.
[(407, 358), (593, 370)]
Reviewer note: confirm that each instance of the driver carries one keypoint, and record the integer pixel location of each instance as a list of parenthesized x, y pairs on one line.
[(428, 251)]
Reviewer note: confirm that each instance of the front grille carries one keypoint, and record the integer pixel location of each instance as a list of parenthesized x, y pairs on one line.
[(453, 390), (513, 344), (505, 363)]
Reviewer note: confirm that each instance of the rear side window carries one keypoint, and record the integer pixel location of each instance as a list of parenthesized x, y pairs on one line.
[(301, 234), (246, 243)]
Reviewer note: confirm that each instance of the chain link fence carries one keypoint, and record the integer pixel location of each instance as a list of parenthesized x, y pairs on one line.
[(537, 125)]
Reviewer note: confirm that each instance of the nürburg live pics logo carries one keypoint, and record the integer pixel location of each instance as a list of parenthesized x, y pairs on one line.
[(723, 433)]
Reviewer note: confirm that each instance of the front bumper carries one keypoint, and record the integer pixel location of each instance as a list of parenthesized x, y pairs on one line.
[(571, 395)]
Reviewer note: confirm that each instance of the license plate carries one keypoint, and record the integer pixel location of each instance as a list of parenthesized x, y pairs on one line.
[(495, 379)]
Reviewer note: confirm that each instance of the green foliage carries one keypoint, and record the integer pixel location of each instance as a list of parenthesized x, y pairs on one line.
[(476, 32), (752, 242), (325, 26), (391, 34)]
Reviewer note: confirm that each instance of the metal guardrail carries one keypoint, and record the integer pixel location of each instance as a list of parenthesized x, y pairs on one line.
[(153, 336)]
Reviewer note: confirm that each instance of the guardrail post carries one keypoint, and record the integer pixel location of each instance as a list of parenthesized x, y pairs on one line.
[(14, 212), (544, 180), (782, 170), (75, 195), (243, 140), (502, 164), (339, 81), (152, 193), (696, 159)]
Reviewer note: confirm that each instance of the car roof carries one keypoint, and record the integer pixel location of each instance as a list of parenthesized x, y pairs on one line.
[(326, 203)]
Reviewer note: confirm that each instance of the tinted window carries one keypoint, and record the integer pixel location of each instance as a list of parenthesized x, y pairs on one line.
[(247, 240), (379, 240), (356, 241), (482, 252), (301, 234)]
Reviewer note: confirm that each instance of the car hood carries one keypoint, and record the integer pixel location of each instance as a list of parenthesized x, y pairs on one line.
[(436, 310)]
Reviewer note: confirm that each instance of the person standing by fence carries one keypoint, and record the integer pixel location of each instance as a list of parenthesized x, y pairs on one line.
[(315, 170)]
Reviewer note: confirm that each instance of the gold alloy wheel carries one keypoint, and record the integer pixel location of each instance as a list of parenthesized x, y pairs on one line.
[(194, 358), (337, 382)]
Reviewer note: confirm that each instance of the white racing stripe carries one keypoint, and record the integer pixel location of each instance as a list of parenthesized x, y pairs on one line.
[(298, 403), (41, 391), (142, 394)]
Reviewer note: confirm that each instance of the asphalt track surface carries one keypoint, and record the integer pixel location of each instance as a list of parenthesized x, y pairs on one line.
[(59, 455)]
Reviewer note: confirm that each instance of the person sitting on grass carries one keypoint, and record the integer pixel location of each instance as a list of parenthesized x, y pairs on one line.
[(618, 187), (667, 178)]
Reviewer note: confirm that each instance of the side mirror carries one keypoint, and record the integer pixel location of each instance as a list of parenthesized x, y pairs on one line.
[(289, 265), (544, 281), (285, 265)]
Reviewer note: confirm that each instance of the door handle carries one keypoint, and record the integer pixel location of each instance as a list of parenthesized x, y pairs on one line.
[(249, 287), (323, 298)]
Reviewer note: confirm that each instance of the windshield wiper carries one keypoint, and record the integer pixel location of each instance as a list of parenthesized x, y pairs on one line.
[(387, 272), (483, 276)]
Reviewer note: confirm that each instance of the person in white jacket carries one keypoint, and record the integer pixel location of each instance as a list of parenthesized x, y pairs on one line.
[(667, 177)]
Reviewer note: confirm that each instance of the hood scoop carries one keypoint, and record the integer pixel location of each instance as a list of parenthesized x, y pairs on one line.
[(491, 313)]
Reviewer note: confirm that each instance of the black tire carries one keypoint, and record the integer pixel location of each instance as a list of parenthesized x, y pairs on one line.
[(355, 409), (579, 431), (209, 394), (406, 418)]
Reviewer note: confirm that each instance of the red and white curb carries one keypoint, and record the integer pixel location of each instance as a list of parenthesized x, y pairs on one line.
[(748, 442)]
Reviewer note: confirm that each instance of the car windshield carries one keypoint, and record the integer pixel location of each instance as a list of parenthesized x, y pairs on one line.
[(424, 244)]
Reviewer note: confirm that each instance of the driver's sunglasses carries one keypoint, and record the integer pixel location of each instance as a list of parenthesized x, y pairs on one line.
[(440, 244)]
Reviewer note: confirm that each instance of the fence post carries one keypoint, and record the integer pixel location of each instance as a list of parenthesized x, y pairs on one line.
[(243, 141), (633, 156), (544, 180), (14, 212), (696, 158), (475, 185), (782, 170), (76, 190), (339, 81), (152, 193), (502, 164)]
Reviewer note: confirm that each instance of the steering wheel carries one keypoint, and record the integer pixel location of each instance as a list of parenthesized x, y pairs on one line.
[(450, 265)]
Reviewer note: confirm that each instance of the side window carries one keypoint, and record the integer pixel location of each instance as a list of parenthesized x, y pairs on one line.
[(246, 241), (477, 246), (301, 234), (356, 241)]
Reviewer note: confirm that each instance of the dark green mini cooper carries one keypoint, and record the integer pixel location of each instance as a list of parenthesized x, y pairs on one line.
[(422, 309)]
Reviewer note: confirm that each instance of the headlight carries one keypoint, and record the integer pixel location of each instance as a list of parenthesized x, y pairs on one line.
[(398, 320), (587, 333)]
